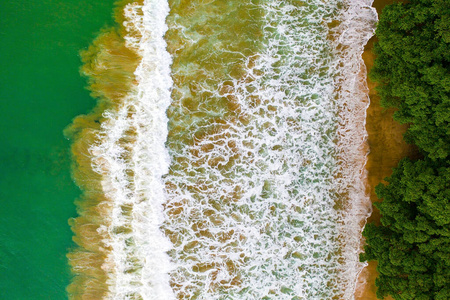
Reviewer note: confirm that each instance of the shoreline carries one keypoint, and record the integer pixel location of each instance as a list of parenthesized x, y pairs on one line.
[(382, 130), (386, 149)]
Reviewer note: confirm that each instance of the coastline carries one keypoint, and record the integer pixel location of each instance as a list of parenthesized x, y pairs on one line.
[(387, 148), (382, 130)]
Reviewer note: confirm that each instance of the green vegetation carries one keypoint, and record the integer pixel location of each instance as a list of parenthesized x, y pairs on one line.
[(412, 243), (412, 67)]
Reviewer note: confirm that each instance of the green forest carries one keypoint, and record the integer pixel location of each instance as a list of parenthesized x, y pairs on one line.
[(412, 70)]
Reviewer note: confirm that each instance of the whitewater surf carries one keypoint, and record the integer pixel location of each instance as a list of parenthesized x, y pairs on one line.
[(225, 158)]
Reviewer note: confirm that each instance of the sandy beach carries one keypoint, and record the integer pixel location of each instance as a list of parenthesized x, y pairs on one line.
[(387, 148)]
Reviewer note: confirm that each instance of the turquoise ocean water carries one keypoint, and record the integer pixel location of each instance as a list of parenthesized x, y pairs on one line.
[(40, 92)]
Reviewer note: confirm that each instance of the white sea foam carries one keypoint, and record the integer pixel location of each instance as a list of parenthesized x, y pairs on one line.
[(132, 158), (357, 27), (270, 204), (272, 207)]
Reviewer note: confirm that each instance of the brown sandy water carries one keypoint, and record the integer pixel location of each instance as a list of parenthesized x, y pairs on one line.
[(387, 148), (109, 66)]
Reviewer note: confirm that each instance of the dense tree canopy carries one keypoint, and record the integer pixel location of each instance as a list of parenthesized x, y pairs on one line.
[(413, 69), (412, 244)]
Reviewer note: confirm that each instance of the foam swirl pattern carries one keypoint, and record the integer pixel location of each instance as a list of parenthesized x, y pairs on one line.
[(225, 158), (266, 198)]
